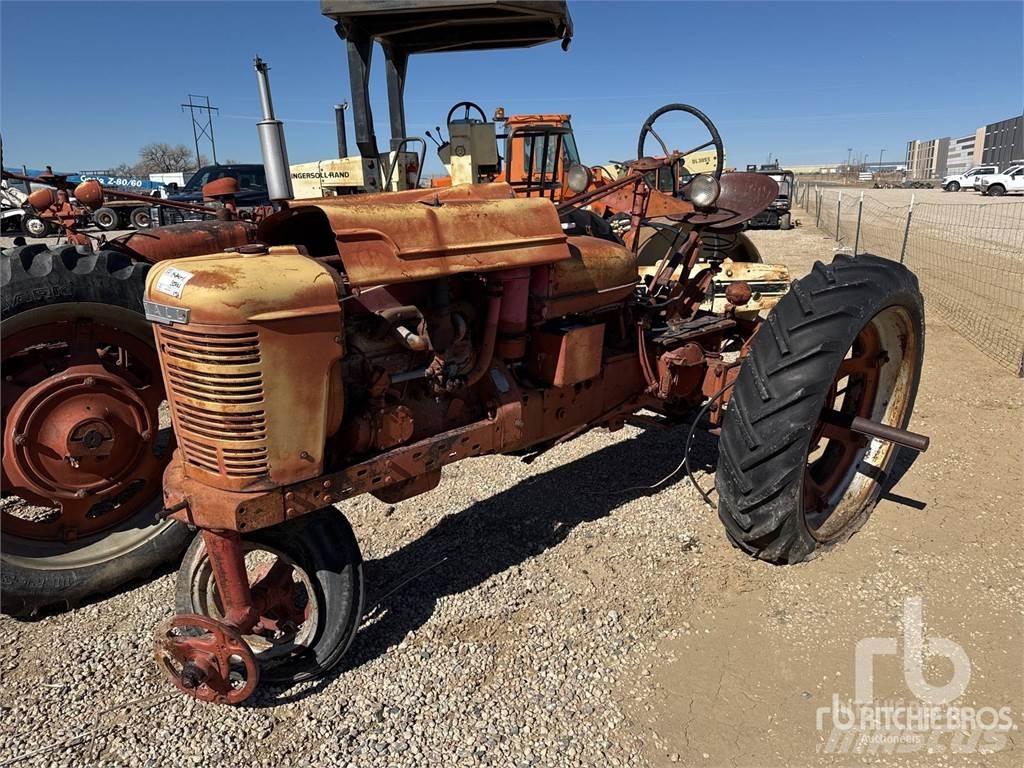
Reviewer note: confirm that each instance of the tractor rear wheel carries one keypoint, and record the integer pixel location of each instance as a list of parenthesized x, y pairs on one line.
[(83, 446), (847, 340), (306, 578)]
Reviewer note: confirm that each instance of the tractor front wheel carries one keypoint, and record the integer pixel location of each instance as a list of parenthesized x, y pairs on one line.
[(306, 580), (846, 341), (83, 445)]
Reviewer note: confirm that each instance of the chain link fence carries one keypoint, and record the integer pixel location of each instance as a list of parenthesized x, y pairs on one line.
[(969, 257)]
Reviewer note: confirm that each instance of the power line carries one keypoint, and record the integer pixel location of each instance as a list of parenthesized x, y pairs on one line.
[(202, 126)]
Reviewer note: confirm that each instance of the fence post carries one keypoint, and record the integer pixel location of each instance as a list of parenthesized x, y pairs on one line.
[(906, 231), (856, 239), (817, 213), (839, 213)]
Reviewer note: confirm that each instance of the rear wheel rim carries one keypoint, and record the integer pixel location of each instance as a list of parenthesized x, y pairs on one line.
[(875, 381), (81, 439)]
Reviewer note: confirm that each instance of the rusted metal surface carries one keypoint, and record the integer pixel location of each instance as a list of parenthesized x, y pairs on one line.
[(255, 320), (193, 238), (206, 659), (598, 273), (742, 196), (80, 412), (545, 415), (226, 186), (227, 559), (569, 356), (869, 428), (680, 371), (738, 293), (402, 242)]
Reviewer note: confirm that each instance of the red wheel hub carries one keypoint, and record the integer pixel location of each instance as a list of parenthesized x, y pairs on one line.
[(81, 414), (206, 659)]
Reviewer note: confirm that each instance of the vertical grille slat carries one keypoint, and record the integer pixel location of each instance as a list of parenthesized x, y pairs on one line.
[(215, 391)]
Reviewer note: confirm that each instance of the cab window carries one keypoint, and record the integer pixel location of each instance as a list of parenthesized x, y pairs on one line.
[(570, 154)]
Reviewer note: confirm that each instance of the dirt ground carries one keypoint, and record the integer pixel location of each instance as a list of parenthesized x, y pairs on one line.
[(553, 614), (766, 647)]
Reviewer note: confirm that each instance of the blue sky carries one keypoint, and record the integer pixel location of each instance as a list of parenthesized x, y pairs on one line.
[(803, 81)]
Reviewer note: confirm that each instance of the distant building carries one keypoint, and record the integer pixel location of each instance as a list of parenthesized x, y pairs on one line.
[(1004, 142), (927, 159), (960, 158), (814, 168)]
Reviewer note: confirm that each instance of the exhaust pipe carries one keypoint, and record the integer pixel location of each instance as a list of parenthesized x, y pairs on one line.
[(272, 147), (339, 119)]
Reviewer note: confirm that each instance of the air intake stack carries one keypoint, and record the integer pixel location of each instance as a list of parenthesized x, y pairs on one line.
[(272, 146)]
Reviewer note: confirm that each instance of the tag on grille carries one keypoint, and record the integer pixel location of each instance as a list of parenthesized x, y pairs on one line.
[(161, 313), (172, 281)]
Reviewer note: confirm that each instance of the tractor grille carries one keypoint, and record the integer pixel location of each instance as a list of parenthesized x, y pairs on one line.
[(215, 388)]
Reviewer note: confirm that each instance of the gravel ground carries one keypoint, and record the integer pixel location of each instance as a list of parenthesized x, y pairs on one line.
[(556, 614)]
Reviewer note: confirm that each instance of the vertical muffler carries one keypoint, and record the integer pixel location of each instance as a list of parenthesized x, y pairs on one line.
[(272, 146)]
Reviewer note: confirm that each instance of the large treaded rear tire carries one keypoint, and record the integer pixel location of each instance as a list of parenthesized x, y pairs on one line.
[(32, 278), (780, 393)]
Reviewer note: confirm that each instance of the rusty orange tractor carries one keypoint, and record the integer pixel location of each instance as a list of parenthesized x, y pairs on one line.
[(80, 489), (363, 343)]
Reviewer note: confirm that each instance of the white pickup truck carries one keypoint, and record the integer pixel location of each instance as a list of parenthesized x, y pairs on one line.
[(1010, 180), (958, 181)]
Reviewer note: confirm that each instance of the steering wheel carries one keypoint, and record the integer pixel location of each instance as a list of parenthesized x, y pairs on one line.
[(467, 106), (715, 140)]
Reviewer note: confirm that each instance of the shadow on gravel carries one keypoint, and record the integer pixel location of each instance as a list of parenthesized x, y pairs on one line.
[(492, 535), (904, 461)]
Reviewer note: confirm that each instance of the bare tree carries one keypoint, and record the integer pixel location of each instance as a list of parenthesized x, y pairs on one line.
[(166, 158), (124, 169)]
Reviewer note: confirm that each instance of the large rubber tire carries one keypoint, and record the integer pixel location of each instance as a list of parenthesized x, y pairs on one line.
[(953, 186), (779, 395), (35, 278), (324, 546), (996, 190), (106, 219), (141, 217)]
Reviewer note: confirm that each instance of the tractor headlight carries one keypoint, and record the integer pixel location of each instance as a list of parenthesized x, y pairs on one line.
[(578, 178), (704, 190)]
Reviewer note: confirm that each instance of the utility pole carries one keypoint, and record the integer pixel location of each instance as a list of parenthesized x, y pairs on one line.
[(849, 157), (202, 126), (880, 153)]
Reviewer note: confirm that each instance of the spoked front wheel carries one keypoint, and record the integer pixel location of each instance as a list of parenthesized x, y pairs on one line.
[(306, 580), (845, 343)]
